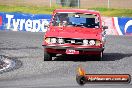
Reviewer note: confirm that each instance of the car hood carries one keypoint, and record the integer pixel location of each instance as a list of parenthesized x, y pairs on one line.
[(74, 32)]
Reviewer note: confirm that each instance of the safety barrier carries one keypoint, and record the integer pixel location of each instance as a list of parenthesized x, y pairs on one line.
[(118, 25), (36, 23), (24, 22)]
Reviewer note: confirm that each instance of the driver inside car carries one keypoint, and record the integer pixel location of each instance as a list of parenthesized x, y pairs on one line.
[(61, 19)]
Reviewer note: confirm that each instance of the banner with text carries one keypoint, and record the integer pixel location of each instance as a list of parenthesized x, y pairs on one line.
[(36, 23), (24, 22)]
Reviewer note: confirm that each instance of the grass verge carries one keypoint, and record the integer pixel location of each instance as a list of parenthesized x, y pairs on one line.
[(46, 10)]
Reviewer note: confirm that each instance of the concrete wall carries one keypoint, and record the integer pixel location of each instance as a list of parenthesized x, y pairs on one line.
[(104, 3), (83, 3)]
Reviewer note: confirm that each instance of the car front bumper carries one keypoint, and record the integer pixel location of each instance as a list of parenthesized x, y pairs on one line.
[(93, 49)]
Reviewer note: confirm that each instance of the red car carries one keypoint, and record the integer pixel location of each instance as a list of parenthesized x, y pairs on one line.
[(74, 31)]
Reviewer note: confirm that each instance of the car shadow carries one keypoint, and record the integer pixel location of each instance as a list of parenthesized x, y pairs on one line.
[(116, 56), (84, 58)]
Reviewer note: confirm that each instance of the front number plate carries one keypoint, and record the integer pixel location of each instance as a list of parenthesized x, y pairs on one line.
[(71, 51)]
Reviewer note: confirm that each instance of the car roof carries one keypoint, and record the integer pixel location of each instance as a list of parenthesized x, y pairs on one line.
[(77, 11)]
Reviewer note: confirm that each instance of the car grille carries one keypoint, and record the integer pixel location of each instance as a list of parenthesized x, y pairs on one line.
[(73, 41)]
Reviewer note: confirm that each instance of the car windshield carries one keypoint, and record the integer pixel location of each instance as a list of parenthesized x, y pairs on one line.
[(76, 19)]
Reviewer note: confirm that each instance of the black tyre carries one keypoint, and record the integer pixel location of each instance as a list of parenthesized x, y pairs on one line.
[(81, 80), (47, 56), (100, 57)]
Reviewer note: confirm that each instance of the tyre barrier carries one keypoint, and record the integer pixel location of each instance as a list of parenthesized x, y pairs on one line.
[(7, 64)]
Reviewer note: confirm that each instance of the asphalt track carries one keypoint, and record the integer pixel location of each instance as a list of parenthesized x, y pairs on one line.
[(33, 72)]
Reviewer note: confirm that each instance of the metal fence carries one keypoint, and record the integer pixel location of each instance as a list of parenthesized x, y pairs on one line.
[(72, 3), (68, 3), (93, 3)]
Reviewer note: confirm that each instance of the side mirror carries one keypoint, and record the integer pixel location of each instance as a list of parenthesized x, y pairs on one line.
[(105, 27)]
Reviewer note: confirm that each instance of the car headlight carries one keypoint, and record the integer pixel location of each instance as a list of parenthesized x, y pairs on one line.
[(53, 40), (60, 40), (47, 40), (85, 42), (98, 43), (92, 42)]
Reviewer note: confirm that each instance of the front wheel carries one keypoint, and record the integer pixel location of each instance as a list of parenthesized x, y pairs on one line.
[(47, 56), (100, 57)]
